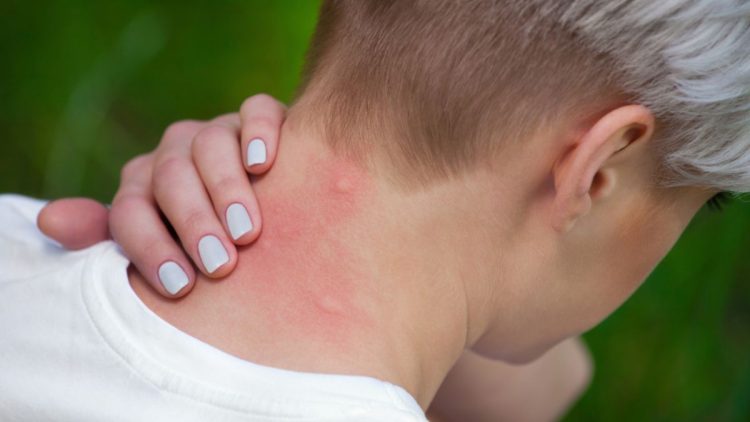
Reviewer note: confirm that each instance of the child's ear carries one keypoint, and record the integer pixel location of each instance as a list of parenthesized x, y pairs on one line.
[(582, 174)]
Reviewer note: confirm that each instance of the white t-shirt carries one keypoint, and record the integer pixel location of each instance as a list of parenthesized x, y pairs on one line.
[(76, 344)]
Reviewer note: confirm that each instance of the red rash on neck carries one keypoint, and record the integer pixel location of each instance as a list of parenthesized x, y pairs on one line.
[(301, 271)]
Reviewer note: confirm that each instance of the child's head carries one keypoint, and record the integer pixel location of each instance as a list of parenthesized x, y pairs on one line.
[(450, 81), (573, 139)]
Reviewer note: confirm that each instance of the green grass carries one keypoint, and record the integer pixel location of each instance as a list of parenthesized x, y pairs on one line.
[(86, 85)]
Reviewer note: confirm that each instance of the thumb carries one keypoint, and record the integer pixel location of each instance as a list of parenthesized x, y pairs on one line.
[(76, 223)]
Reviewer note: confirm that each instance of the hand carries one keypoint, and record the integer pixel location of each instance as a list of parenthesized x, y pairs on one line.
[(196, 178)]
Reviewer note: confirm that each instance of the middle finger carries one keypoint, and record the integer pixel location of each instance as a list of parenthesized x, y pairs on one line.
[(179, 191)]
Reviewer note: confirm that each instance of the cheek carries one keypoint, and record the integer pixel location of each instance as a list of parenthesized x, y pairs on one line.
[(636, 247), (604, 272), (646, 241)]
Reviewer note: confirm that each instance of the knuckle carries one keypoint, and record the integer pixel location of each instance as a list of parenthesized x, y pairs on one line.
[(209, 135), (226, 184), (124, 205), (262, 96), (181, 129), (171, 167), (192, 221), (264, 99), (258, 102), (168, 173), (135, 165), (249, 103), (150, 250), (124, 208), (229, 119), (142, 247), (261, 124)]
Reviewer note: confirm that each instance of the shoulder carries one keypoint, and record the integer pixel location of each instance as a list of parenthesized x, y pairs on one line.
[(18, 205), (18, 221), (24, 250)]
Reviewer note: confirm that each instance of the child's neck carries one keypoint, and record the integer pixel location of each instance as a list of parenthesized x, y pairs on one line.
[(334, 284)]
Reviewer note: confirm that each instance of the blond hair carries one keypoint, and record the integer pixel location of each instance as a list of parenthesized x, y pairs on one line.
[(437, 84)]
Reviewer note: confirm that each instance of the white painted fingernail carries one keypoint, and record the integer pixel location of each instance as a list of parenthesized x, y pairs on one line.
[(238, 221), (256, 152), (212, 253), (172, 277)]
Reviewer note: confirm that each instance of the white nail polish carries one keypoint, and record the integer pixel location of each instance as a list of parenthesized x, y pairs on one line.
[(212, 253), (256, 152), (172, 277), (238, 221)]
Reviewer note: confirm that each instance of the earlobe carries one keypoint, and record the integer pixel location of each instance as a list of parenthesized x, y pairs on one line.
[(582, 174)]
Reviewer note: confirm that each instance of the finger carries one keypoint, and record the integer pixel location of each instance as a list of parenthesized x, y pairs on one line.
[(136, 225), (261, 116), (177, 135), (216, 154), (180, 194), (75, 223), (231, 120)]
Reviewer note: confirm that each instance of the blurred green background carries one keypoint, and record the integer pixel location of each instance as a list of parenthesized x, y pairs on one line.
[(86, 85)]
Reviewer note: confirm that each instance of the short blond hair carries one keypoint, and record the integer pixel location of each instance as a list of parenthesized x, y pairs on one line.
[(446, 82)]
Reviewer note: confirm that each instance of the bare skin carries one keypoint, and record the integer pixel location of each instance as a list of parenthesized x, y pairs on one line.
[(375, 281), (507, 260), (474, 387), (316, 282)]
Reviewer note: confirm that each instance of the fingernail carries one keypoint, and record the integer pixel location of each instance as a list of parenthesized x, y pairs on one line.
[(172, 277), (212, 253), (256, 152), (238, 221)]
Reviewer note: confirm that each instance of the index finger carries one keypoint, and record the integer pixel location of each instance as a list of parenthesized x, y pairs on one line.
[(137, 227), (261, 118)]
